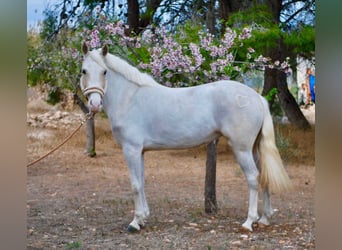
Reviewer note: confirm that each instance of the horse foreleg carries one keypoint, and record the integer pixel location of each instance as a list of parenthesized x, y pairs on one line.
[(135, 161), (249, 168)]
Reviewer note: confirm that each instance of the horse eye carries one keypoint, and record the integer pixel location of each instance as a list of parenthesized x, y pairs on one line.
[(84, 72), (105, 72)]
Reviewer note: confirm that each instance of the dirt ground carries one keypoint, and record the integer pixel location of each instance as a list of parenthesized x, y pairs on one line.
[(78, 202)]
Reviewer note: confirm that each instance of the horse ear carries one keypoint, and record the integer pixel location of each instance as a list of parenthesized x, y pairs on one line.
[(84, 48), (105, 50)]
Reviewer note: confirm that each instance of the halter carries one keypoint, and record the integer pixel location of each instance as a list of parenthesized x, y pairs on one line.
[(93, 89)]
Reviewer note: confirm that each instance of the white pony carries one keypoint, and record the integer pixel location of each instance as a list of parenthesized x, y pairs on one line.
[(145, 115)]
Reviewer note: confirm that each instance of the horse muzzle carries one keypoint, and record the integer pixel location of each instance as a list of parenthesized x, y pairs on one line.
[(95, 105), (94, 95)]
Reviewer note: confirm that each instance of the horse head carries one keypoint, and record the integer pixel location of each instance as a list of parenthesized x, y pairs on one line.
[(93, 81)]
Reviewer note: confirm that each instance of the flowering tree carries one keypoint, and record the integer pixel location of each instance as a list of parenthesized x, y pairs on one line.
[(189, 56), (184, 59)]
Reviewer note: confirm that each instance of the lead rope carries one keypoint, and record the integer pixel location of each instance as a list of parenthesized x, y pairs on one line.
[(87, 117)]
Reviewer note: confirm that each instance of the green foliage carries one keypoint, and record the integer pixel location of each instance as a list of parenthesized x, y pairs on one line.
[(55, 63), (302, 41), (188, 33), (271, 94), (54, 95), (275, 107), (49, 24), (265, 32), (73, 245), (258, 14)]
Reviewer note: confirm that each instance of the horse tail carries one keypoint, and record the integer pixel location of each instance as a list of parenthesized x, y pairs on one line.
[(273, 175)]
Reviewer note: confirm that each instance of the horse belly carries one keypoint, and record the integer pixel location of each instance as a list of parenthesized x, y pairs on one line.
[(170, 141), (180, 133)]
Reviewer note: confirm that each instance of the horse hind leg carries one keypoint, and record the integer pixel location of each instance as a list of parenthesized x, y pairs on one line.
[(266, 199), (247, 164), (267, 208)]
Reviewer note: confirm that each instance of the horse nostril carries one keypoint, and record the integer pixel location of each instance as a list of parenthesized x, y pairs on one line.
[(97, 104)]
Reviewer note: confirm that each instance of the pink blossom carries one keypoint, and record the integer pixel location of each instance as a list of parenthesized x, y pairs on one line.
[(229, 38), (245, 34), (94, 39), (167, 57), (251, 50), (261, 59), (195, 51)]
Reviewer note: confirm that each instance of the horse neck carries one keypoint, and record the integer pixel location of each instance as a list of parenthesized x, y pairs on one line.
[(119, 89)]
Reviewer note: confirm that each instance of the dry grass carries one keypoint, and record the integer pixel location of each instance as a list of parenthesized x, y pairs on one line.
[(296, 146)]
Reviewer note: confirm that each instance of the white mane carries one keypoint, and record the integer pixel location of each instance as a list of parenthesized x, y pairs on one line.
[(122, 67)]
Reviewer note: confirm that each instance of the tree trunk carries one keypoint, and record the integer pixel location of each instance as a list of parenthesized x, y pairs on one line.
[(210, 203), (289, 104), (146, 18), (90, 128), (138, 21), (133, 16), (210, 16), (90, 132), (270, 82), (274, 78)]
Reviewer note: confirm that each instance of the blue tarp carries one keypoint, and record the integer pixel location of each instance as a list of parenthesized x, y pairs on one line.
[(312, 82)]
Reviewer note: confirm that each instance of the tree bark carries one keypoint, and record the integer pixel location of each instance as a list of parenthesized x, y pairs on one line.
[(90, 134), (289, 104), (270, 82), (146, 18), (133, 16), (90, 128), (210, 17), (210, 203), (274, 78), (138, 21)]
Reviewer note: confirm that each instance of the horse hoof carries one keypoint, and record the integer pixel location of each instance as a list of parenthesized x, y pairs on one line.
[(132, 229), (263, 221), (247, 228)]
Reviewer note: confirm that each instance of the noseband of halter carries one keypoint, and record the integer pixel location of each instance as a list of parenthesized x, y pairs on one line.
[(93, 89)]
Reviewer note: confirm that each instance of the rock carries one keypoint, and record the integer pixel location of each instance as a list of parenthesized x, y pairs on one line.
[(193, 224), (236, 242), (244, 236), (38, 105)]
